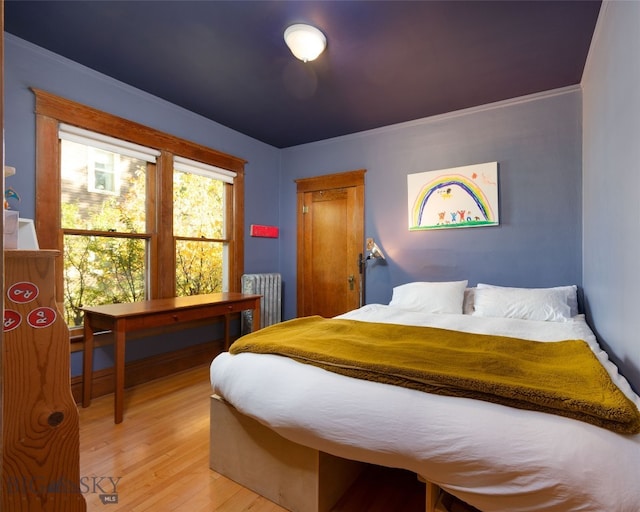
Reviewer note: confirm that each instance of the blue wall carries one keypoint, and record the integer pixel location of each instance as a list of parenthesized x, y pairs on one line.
[(537, 143), (611, 161)]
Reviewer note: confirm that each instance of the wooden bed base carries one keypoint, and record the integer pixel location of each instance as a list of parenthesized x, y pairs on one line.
[(296, 477)]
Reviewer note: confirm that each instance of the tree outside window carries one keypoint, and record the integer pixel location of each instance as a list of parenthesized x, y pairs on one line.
[(104, 262), (198, 223)]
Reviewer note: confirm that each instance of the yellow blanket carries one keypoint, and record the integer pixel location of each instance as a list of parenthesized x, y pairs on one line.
[(563, 378)]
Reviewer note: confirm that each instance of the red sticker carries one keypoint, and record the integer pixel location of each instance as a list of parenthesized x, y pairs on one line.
[(41, 317), (22, 292), (12, 319)]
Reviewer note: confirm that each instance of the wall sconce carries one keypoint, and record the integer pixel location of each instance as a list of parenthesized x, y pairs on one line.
[(304, 41), (374, 250), (375, 253)]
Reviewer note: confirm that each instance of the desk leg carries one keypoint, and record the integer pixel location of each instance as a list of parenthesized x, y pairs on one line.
[(87, 361), (118, 402), (256, 316)]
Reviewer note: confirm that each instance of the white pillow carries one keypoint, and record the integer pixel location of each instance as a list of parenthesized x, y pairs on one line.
[(567, 293), (543, 304), (430, 297)]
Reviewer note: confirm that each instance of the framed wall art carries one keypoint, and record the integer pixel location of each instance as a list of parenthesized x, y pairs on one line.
[(460, 197)]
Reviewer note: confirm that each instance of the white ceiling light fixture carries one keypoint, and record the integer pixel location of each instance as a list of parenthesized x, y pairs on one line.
[(304, 41)]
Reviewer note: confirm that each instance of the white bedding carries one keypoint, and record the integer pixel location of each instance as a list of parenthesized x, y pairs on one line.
[(494, 457)]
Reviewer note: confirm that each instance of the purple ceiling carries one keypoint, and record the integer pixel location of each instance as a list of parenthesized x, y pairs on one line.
[(386, 62)]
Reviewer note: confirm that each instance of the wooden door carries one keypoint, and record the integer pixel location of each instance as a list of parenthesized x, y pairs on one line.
[(330, 243)]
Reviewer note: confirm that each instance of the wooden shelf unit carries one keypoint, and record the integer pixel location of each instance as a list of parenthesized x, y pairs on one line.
[(41, 444)]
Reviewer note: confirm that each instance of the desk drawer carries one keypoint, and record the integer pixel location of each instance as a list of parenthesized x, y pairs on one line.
[(184, 315)]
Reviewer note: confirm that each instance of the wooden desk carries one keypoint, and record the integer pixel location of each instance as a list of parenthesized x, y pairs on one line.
[(124, 318)]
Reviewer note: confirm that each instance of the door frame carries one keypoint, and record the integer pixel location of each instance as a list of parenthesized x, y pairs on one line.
[(326, 182)]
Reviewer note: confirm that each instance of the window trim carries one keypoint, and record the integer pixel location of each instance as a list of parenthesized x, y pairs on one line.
[(52, 110)]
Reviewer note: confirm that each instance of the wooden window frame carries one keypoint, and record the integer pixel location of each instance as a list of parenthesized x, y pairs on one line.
[(52, 110)]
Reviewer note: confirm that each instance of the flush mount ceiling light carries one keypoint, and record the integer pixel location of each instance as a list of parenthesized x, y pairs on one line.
[(304, 41)]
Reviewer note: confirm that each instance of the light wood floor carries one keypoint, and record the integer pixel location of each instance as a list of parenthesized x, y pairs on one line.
[(157, 459)]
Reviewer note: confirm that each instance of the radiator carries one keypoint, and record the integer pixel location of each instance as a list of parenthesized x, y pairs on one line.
[(270, 287)]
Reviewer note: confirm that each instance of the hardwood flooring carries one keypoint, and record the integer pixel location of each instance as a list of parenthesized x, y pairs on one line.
[(157, 458)]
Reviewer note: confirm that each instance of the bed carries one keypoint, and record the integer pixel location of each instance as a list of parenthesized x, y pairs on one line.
[(494, 457)]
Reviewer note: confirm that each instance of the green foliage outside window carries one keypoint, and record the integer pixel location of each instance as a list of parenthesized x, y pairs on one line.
[(198, 268), (100, 269), (198, 206)]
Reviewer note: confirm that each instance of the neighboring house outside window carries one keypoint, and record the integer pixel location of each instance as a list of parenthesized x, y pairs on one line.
[(136, 213)]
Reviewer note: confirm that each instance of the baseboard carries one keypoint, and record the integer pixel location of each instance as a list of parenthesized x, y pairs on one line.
[(150, 368)]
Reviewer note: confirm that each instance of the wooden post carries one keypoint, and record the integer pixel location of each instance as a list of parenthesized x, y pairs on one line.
[(41, 446)]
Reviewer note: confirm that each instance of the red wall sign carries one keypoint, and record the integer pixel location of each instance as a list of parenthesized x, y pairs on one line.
[(264, 231)]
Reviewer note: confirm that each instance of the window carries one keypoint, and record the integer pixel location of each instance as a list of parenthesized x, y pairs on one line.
[(103, 170), (136, 213), (199, 227), (105, 230)]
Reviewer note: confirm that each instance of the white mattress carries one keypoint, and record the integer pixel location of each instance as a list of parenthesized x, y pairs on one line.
[(494, 457)]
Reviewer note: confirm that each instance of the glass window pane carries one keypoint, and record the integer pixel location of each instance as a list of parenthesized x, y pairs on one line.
[(199, 267), (102, 270), (101, 190), (198, 206)]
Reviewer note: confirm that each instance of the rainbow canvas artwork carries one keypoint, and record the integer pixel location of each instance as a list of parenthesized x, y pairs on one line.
[(461, 197)]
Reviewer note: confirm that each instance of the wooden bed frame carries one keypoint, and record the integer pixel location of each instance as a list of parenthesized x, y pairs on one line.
[(296, 477)]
